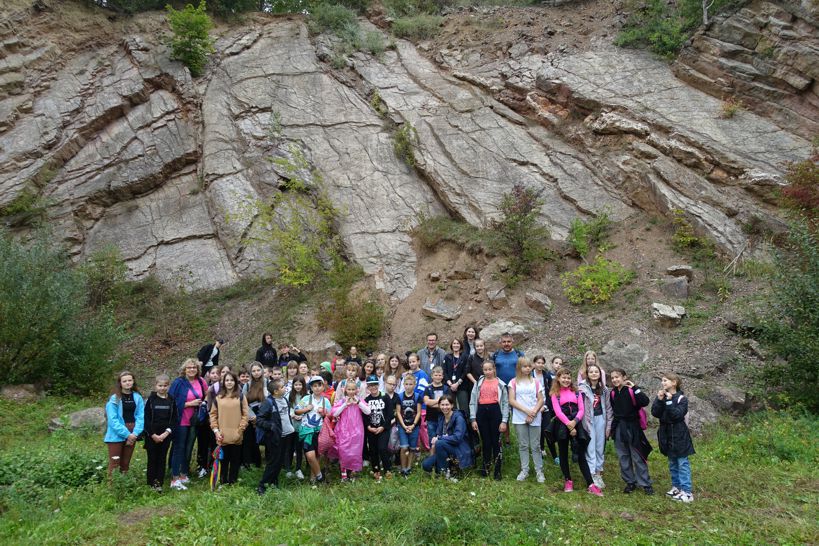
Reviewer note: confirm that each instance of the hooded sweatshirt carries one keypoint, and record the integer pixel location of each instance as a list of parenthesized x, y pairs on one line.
[(266, 355)]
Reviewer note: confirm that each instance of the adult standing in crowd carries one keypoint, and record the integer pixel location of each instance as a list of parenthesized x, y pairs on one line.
[(188, 392), (266, 355), (506, 359), (471, 333), (208, 355), (431, 355)]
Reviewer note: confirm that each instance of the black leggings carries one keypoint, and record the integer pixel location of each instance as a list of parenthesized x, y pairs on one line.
[(296, 448), (376, 447), (251, 454), (206, 443), (563, 446), (157, 460), (231, 461), (489, 419)]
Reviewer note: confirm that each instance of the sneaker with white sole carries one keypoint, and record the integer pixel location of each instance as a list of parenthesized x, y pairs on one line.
[(178, 485), (523, 475), (540, 477), (594, 490), (202, 473), (568, 487), (288, 475), (682, 496), (600, 483), (184, 480), (673, 492), (299, 474)]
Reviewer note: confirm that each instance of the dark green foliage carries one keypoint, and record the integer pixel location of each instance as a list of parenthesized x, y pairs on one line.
[(52, 468), (332, 18), (410, 8), (47, 335), (583, 236), (791, 325), (433, 231), (417, 27), (105, 273), (522, 238), (356, 317), (663, 27), (191, 43), (231, 8)]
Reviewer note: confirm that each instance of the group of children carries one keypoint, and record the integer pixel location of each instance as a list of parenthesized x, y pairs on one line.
[(378, 414)]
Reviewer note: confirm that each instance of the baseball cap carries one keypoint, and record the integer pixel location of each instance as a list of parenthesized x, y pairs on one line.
[(315, 379), (372, 380)]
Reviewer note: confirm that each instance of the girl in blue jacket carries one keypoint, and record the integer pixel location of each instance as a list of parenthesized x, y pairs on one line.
[(125, 412)]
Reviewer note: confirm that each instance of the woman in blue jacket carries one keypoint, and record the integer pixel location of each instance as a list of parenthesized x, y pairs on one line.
[(125, 412), (450, 442)]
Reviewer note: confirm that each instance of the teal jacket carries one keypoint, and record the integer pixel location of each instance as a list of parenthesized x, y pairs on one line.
[(117, 431)]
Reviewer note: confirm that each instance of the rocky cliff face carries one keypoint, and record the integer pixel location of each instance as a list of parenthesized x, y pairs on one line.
[(767, 53), (124, 148)]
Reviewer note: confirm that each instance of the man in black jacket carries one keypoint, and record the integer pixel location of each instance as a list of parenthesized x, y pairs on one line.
[(208, 355)]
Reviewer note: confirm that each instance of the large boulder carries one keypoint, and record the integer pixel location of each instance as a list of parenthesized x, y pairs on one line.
[(90, 418), (492, 333), (440, 309), (618, 354), (667, 315), (21, 393), (538, 301)]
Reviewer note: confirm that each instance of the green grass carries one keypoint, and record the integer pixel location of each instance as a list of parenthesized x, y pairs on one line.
[(751, 486), (439, 229)]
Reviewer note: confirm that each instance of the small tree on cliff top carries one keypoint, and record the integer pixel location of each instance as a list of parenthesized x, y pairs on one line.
[(191, 43)]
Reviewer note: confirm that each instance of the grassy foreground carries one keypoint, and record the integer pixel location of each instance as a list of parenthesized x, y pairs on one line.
[(755, 481)]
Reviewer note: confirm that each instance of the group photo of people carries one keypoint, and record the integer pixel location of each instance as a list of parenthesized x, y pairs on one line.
[(386, 416)]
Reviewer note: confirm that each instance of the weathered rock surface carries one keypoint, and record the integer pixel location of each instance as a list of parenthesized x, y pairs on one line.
[(24, 392), (675, 287), (767, 54), (441, 309), (90, 418), (492, 332), (618, 354), (681, 271), (538, 301), (667, 315)]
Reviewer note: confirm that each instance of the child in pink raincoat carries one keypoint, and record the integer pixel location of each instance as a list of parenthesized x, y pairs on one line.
[(349, 430)]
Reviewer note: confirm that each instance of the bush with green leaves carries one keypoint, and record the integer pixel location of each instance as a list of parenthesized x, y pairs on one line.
[(583, 236), (663, 27), (790, 326), (596, 282), (105, 273), (417, 27), (404, 140), (434, 230), (521, 237), (52, 468), (191, 44), (356, 317), (47, 333)]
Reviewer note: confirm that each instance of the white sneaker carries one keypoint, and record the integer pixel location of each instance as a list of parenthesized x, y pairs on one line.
[(540, 478), (682, 496), (178, 485), (299, 474), (673, 492), (184, 480), (366, 463), (602, 484), (288, 475), (523, 475), (202, 473)]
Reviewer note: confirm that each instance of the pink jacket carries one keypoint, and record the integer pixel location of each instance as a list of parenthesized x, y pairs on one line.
[(566, 396)]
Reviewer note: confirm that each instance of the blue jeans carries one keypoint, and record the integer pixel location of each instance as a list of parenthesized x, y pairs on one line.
[(182, 449), (408, 440), (440, 459), (680, 473), (432, 428)]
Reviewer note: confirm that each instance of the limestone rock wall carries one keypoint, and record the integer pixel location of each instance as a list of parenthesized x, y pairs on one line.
[(123, 148)]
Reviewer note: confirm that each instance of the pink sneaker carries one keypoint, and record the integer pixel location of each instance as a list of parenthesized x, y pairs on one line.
[(594, 490), (569, 487)]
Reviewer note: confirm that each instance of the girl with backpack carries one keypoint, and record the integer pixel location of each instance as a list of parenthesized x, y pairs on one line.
[(526, 399), (627, 405), (228, 420), (671, 408), (596, 420), (276, 432), (349, 409), (125, 414), (567, 425), (256, 393), (489, 411), (188, 391)]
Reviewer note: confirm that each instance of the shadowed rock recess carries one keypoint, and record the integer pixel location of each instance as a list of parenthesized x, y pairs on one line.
[(122, 147)]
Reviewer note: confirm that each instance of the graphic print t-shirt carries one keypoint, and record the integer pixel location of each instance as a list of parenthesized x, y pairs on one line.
[(378, 411), (409, 407)]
